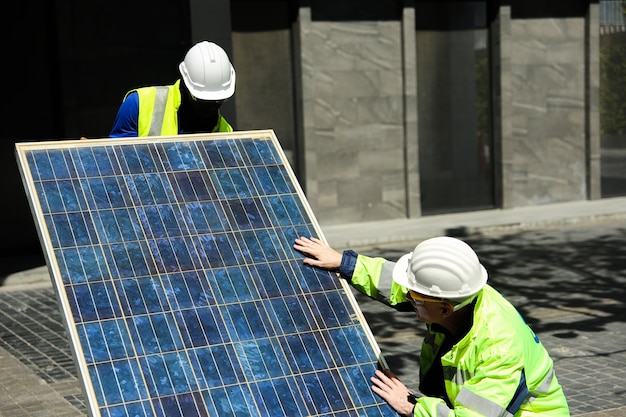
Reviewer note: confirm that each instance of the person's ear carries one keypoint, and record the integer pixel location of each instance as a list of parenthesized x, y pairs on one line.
[(446, 309)]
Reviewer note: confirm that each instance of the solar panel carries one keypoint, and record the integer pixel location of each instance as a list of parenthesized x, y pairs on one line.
[(173, 263)]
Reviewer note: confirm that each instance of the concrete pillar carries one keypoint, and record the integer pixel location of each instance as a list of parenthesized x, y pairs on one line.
[(409, 69), (501, 105), (592, 101)]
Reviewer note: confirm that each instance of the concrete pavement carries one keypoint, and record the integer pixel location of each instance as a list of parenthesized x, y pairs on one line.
[(562, 265), (476, 222)]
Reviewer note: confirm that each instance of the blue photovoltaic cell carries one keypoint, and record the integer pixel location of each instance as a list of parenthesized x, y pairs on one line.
[(180, 286)]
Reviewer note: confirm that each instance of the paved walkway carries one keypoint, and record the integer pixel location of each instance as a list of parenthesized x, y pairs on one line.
[(476, 222), (563, 265)]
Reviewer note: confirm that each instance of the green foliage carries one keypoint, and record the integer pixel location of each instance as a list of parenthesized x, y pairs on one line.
[(613, 87)]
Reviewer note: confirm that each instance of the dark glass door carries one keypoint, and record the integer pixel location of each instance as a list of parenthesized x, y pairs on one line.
[(454, 128)]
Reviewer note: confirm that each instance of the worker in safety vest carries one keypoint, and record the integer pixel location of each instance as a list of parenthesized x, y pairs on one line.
[(188, 107), (479, 357)]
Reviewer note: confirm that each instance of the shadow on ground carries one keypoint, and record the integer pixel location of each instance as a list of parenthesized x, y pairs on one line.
[(551, 277)]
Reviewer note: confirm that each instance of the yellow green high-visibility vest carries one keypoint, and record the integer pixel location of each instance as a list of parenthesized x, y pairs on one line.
[(498, 369), (158, 111)]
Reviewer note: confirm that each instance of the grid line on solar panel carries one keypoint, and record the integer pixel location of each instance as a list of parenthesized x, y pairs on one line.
[(182, 287)]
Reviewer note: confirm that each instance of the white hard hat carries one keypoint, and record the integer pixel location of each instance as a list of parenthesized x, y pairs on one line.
[(207, 72), (441, 267)]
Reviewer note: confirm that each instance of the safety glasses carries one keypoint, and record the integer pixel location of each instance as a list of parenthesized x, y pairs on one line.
[(418, 299)]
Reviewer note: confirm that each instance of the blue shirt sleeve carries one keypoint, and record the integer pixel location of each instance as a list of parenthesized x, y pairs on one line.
[(126, 121), (348, 263)]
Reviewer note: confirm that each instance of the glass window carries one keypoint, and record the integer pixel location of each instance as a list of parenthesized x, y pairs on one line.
[(613, 98)]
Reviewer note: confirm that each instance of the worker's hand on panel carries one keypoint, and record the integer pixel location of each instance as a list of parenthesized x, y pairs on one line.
[(319, 253), (390, 389)]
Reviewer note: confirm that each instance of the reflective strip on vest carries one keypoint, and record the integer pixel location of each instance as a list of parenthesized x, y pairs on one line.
[(443, 410), (491, 409), (386, 278), (544, 387), (158, 112), (457, 376), (480, 404)]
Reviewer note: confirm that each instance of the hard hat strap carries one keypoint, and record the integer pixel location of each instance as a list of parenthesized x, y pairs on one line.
[(459, 306)]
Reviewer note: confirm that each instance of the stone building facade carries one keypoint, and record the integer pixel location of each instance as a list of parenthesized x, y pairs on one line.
[(354, 112), (361, 116), (387, 109)]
